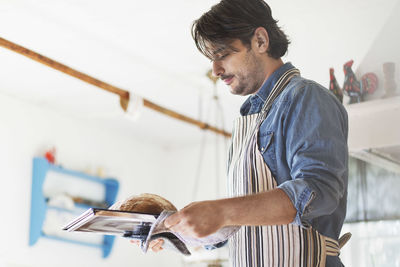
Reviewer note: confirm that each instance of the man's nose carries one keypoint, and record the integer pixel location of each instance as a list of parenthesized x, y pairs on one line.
[(217, 69)]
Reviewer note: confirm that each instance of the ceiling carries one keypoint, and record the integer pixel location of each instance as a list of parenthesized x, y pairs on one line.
[(145, 47)]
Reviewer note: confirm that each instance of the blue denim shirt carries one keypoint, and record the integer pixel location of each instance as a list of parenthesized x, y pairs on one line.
[(303, 141)]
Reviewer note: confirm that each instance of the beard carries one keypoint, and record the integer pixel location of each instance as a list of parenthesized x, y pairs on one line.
[(242, 87), (249, 78)]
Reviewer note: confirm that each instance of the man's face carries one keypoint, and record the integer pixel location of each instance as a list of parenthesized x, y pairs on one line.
[(239, 67)]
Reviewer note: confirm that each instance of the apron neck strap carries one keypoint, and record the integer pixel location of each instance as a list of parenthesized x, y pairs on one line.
[(278, 88)]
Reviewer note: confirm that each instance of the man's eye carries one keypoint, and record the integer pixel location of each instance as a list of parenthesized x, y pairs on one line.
[(222, 56)]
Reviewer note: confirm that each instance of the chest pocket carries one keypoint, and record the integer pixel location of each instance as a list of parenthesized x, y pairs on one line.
[(266, 146)]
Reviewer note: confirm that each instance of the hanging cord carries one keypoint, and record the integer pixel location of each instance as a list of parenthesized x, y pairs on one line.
[(200, 106), (198, 169), (201, 155), (217, 159), (203, 138), (220, 111), (219, 118)]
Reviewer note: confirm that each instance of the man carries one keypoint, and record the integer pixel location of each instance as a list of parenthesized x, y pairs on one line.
[(288, 160)]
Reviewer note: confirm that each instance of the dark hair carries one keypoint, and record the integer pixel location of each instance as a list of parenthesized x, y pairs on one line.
[(238, 19)]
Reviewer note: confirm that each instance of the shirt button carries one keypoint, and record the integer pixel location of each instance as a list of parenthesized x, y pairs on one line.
[(262, 149)]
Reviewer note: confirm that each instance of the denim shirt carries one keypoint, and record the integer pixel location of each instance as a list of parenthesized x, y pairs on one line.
[(303, 141)]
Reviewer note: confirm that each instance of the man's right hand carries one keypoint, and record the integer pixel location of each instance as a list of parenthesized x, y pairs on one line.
[(155, 245)]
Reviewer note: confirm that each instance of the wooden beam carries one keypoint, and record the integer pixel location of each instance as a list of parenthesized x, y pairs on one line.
[(123, 94)]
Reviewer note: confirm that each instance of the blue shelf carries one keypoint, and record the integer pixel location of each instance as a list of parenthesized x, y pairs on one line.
[(39, 207), (72, 241)]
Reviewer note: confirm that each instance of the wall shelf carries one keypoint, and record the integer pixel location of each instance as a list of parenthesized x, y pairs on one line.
[(374, 124), (108, 188), (374, 132)]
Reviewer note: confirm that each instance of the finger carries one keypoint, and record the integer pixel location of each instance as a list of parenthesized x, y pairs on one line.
[(155, 242), (172, 220), (157, 249), (158, 246)]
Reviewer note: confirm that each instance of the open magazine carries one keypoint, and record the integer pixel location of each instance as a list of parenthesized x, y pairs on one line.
[(127, 224), (112, 222), (144, 227)]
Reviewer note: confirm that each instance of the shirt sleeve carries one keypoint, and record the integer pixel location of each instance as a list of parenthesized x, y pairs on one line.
[(215, 246), (316, 152)]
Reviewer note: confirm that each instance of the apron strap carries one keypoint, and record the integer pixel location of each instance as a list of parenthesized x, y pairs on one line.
[(280, 85), (343, 239), (333, 247)]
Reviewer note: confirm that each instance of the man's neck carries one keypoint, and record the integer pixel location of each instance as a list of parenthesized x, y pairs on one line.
[(271, 66)]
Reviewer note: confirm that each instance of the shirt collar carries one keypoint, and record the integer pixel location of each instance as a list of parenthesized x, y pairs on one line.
[(255, 102)]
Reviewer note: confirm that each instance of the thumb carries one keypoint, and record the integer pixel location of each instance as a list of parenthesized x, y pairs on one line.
[(172, 220)]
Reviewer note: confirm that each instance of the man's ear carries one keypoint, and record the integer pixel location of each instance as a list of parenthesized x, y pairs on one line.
[(260, 40)]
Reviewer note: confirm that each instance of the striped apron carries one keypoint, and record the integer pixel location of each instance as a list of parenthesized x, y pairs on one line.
[(277, 245)]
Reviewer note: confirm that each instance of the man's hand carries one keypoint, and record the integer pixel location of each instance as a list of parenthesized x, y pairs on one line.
[(198, 219), (201, 219), (155, 245)]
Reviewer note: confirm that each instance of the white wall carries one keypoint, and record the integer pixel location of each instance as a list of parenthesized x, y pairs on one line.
[(26, 131), (383, 49), (184, 163)]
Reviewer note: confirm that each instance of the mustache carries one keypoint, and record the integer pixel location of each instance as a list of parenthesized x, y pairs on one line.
[(224, 77)]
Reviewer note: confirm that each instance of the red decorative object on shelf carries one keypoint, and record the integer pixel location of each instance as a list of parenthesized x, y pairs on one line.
[(351, 85), (334, 86), (369, 82), (50, 155), (356, 89)]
